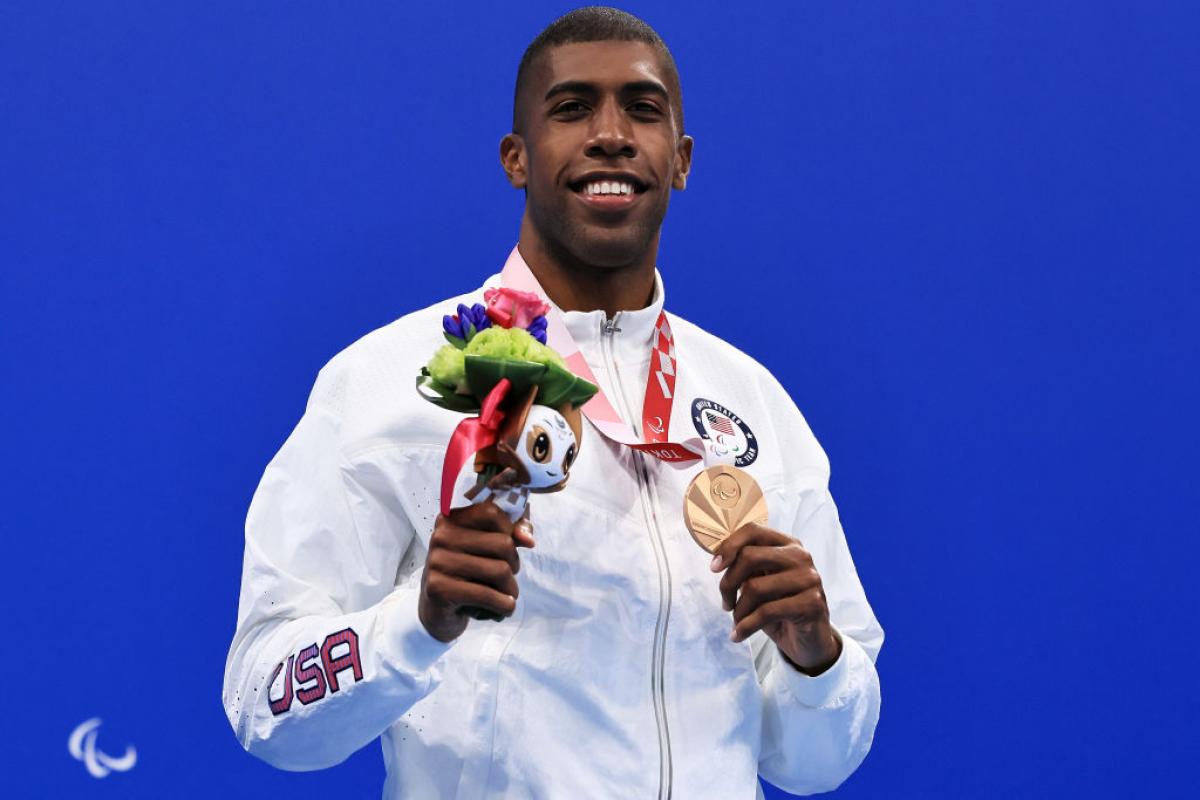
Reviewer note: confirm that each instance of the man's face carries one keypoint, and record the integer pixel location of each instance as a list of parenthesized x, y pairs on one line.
[(599, 150)]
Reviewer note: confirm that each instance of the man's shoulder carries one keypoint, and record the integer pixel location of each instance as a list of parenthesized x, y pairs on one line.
[(714, 353), (376, 374), (406, 334), (402, 332), (724, 374)]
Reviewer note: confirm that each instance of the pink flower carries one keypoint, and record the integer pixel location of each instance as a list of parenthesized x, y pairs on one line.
[(509, 308)]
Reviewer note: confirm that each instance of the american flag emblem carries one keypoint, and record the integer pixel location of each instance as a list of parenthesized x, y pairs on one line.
[(719, 423)]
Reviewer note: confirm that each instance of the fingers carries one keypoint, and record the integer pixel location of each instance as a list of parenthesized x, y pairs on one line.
[(759, 591), (481, 517), (489, 517), (470, 569), (753, 533), (492, 572), (755, 559), (523, 533), (500, 546), (804, 609), (769, 578), (452, 593)]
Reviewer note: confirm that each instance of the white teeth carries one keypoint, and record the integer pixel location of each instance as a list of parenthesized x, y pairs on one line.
[(608, 187)]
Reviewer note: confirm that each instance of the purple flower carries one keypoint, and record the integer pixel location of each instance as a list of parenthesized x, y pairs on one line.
[(476, 317), (467, 322), (537, 329), (452, 327)]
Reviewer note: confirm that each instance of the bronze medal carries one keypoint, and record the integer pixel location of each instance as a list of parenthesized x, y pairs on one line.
[(720, 500)]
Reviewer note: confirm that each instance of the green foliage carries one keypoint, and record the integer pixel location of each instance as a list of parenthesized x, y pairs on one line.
[(458, 378), (512, 343), (447, 368)]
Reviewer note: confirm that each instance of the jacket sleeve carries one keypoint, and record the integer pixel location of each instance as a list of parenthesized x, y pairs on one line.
[(817, 730), (328, 651)]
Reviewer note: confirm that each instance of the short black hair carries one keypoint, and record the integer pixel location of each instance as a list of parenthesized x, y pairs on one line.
[(600, 24)]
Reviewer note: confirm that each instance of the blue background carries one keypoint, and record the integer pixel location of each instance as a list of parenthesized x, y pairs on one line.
[(964, 235)]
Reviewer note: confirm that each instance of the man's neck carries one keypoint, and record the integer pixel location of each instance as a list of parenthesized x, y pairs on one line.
[(575, 286)]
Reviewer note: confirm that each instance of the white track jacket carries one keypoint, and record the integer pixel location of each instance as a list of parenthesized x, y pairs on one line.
[(615, 677)]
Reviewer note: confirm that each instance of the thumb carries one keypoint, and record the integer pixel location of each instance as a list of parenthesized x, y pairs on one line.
[(482, 516), (523, 533)]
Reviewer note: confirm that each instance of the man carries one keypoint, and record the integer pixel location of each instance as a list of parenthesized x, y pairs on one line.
[(626, 662)]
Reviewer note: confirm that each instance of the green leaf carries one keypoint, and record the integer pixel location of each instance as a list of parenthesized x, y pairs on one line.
[(562, 387), (556, 386), (484, 372), (444, 396)]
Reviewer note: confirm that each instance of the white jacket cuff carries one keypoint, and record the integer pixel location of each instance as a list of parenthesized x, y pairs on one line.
[(405, 643), (826, 690)]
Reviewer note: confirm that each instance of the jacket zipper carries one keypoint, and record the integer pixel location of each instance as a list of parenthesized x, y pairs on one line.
[(658, 654)]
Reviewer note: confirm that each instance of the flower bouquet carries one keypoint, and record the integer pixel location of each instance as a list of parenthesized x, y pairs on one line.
[(527, 426)]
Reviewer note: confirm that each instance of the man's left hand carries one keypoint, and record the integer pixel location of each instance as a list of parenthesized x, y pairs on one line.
[(770, 584)]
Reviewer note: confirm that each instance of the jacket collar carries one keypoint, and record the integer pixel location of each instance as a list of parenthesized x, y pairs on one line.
[(632, 330)]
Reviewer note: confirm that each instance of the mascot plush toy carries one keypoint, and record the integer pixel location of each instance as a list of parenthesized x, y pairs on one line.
[(527, 427)]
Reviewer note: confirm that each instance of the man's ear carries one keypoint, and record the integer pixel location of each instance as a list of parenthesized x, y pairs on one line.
[(683, 162), (512, 159)]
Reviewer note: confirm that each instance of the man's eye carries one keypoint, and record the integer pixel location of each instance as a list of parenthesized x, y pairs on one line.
[(570, 107), (646, 108)]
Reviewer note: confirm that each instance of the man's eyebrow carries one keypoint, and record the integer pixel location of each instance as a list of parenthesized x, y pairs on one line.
[(586, 88), (646, 87), (571, 87)]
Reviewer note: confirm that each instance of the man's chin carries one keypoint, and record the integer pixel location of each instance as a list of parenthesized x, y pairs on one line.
[(612, 247)]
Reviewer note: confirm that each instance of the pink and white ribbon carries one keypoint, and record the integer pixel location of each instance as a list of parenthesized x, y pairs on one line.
[(660, 381)]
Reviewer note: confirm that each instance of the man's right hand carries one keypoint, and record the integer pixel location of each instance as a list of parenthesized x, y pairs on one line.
[(472, 564)]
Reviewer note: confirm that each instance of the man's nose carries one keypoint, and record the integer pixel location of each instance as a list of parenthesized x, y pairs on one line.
[(611, 134)]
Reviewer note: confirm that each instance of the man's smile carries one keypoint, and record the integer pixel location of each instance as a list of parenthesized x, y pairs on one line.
[(608, 191)]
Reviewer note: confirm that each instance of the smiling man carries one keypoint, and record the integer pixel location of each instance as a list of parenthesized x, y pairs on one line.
[(620, 659), (598, 145)]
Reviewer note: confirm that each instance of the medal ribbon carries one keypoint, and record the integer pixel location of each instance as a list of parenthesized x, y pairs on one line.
[(660, 380)]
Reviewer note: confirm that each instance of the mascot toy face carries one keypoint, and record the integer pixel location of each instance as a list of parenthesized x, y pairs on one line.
[(537, 444), (546, 447)]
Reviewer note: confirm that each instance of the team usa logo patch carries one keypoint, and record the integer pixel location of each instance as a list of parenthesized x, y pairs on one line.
[(316, 669), (725, 430)]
